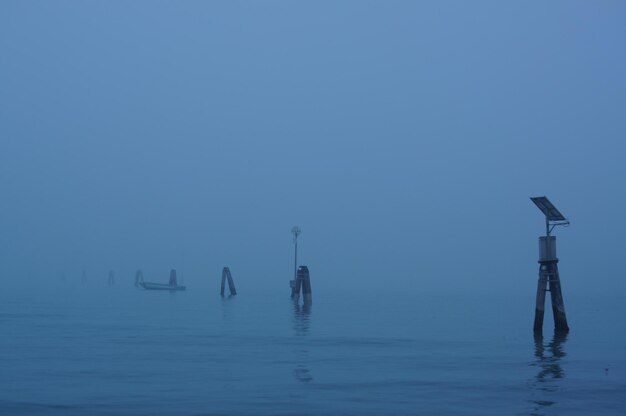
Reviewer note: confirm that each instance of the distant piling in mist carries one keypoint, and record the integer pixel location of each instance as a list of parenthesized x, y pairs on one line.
[(226, 276), (138, 278), (295, 285), (302, 284), (173, 278), (111, 279), (303, 273)]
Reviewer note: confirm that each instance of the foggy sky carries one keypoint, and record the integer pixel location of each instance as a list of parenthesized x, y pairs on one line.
[(404, 138)]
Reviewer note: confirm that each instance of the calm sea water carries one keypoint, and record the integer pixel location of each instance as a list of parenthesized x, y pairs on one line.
[(122, 351)]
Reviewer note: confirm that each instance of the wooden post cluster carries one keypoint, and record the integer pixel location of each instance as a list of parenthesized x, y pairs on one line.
[(549, 281), (302, 284), (173, 279)]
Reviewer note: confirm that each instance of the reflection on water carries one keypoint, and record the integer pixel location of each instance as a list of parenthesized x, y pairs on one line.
[(548, 360), (301, 325), (301, 318), (227, 308)]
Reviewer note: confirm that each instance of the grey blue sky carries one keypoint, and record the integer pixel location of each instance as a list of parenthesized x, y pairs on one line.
[(404, 137)]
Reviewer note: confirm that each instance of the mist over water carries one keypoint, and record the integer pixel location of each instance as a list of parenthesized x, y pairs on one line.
[(404, 140)]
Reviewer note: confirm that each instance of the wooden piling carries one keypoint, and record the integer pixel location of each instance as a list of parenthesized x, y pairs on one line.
[(138, 277), (226, 275), (306, 285), (296, 288), (111, 278), (173, 280), (549, 281), (302, 283), (558, 306), (542, 286)]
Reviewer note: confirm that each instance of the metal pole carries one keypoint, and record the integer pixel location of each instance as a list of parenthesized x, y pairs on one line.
[(294, 283), (295, 260)]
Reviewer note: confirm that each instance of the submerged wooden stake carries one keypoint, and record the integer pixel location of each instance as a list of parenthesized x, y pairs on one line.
[(292, 285), (173, 280), (302, 283), (306, 285), (138, 277), (540, 303), (231, 284), (295, 288), (558, 307)]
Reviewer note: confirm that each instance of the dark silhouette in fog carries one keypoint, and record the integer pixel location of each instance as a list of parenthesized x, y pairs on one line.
[(302, 284), (172, 285), (138, 278), (231, 284)]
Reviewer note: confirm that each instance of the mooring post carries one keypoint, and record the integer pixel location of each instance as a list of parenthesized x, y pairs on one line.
[(226, 275), (173, 280), (542, 286), (295, 289), (303, 276), (558, 306), (111, 277), (231, 283), (302, 283), (549, 281), (548, 270), (138, 277)]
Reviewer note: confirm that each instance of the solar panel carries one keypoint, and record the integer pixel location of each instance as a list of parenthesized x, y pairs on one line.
[(549, 210)]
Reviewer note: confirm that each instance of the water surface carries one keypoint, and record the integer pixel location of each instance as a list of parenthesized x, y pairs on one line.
[(117, 350)]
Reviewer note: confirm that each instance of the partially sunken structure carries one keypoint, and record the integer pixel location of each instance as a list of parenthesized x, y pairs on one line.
[(171, 285)]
